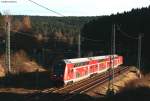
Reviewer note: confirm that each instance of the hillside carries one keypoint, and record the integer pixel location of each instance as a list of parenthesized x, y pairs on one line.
[(47, 39), (128, 27), (44, 39)]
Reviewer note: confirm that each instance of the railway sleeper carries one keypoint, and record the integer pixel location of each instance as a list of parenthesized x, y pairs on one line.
[(69, 83), (92, 75)]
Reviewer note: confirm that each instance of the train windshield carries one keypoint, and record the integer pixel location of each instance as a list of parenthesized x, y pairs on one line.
[(59, 68)]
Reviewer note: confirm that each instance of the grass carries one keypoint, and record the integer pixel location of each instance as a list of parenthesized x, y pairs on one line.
[(20, 63)]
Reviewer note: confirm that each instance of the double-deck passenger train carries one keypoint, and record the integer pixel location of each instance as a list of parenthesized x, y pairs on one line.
[(72, 70)]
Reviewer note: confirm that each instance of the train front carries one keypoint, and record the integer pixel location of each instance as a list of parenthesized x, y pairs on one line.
[(57, 74)]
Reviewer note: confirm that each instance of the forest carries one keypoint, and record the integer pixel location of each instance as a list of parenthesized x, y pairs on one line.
[(44, 39), (50, 38), (129, 25)]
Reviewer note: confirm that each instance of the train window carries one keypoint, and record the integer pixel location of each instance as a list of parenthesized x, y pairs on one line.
[(86, 72), (101, 60), (75, 65), (77, 75), (80, 64)]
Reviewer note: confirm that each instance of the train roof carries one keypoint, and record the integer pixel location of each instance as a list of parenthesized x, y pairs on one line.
[(99, 57), (78, 60), (102, 57)]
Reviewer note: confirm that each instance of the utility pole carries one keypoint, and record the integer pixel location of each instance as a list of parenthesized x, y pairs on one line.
[(8, 60), (113, 53), (110, 90), (7, 30), (139, 55), (79, 45)]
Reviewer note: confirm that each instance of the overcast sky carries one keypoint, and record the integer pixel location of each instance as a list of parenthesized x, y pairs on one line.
[(71, 7)]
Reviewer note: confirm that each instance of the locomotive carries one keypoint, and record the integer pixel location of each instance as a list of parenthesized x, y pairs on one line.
[(68, 71)]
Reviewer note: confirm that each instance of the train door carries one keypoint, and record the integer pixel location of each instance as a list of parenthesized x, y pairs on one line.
[(85, 69), (78, 72), (102, 66), (108, 64), (93, 66), (69, 72), (81, 71), (116, 62)]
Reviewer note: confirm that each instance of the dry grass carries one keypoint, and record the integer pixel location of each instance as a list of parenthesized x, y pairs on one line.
[(137, 83), (2, 71), (2, 66), (20, 63), (135, 90)]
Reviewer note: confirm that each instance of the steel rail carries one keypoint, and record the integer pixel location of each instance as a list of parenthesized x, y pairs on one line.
[(92, 85)]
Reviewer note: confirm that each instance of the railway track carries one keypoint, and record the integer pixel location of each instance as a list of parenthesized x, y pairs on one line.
[(69, 91), (88, 81), (84, 86), (103, 80), (77, 84), (93, 84)]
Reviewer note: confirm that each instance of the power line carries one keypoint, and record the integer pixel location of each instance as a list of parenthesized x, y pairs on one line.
[(139, 38), (126, 34), (92, 39), (24, 34), (85, 38), (46, 8), (44, 49)]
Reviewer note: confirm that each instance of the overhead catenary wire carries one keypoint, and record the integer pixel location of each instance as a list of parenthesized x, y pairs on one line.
[(84, 38), (48, 50), (46, 8), (139, 38), (25, 34), (90, 39), (126, 34), (22, 33)]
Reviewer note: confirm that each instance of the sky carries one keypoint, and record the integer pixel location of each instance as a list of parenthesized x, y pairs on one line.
[(70, 7)]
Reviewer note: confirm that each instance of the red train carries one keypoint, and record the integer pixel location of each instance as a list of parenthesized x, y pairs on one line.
[(72, 70)]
